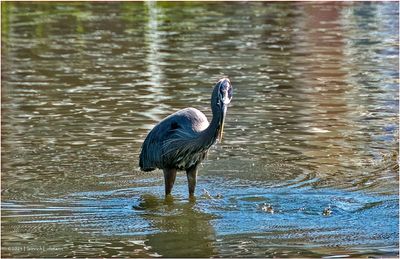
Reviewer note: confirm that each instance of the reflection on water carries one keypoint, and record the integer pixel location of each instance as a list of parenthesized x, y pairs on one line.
[(313, 125), (182, 229)]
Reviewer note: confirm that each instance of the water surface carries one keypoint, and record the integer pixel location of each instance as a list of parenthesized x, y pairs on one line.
[(312, 127)]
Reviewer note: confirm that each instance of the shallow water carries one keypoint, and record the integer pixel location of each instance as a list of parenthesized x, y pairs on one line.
[(312, 128)]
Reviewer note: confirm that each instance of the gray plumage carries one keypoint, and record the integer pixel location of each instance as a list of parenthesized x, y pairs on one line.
[(181, 140), (170, 141)]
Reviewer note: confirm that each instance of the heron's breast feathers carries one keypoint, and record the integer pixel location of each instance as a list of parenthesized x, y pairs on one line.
[(183, 149)]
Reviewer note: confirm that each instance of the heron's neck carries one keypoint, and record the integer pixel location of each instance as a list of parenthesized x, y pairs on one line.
[(210, 134)]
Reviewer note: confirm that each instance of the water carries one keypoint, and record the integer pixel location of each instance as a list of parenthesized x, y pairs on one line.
[(312, 127)]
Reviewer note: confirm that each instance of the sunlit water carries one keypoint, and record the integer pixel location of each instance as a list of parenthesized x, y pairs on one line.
[(308, 165)]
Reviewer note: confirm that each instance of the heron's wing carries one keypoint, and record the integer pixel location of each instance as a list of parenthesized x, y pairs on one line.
[(184, 146), (171, 138)]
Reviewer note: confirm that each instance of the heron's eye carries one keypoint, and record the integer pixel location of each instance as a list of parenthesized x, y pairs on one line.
[(230, 92)]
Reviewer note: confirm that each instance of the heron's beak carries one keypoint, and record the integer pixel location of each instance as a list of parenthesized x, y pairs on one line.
[(222, 122), (226, 99)]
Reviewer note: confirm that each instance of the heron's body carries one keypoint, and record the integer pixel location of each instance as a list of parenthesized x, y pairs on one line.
[(167, 133), (181, 140)]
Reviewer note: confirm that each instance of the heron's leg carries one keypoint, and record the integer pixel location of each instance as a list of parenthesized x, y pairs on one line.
[(192, 176), (169, 178)]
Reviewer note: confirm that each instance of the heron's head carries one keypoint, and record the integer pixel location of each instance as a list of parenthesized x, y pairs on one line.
[(224, 91)]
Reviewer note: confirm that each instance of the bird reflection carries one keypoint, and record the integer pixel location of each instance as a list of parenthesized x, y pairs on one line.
[(183, 230)]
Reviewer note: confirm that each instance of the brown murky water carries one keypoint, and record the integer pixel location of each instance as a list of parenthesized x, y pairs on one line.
[(312, 128)]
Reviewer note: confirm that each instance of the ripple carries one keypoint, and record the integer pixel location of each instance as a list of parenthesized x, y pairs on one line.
[(298, 214)]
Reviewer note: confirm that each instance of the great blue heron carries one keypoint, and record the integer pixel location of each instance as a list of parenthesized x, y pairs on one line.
[(181, 140)]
